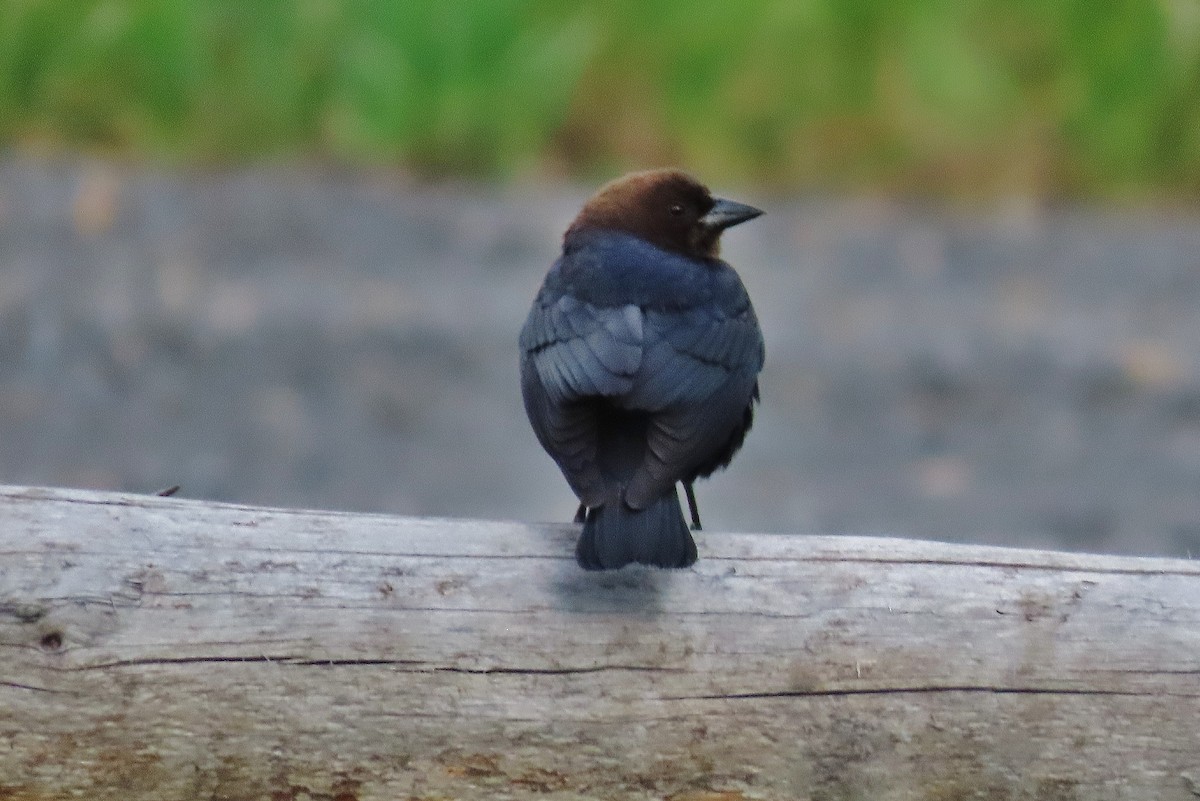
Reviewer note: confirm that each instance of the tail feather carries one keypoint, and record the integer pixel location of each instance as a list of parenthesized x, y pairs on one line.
[(615, 535)]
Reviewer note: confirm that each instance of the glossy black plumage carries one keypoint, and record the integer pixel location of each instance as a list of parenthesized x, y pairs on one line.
[(639, 363)]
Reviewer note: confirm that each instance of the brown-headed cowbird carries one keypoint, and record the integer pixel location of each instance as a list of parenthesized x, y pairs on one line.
[(640, 361)]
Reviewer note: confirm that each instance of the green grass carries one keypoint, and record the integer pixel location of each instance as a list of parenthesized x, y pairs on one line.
[(1054, 97)]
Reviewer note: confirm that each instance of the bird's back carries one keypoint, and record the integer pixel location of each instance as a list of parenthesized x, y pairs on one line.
[(622, 331)]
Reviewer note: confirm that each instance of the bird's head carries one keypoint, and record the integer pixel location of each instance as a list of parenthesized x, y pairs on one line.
[(666, 208)]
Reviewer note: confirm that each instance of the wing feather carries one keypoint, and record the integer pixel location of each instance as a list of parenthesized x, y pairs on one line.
[(689, 355)]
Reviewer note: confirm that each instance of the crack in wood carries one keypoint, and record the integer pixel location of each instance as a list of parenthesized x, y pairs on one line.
[(566, 671), (183, 660), (411, 665), (16, 685), (928, 689)]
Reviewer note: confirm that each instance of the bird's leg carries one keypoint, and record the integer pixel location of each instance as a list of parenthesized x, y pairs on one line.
[(691, 496), (581, 513)]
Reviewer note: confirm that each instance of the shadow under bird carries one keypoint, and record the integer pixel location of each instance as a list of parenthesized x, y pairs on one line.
[(639, 363)]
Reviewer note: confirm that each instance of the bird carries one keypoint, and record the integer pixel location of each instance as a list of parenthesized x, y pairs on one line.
[(639, 363)]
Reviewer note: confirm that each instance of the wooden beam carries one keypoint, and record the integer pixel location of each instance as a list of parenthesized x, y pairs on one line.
[(158, 648)]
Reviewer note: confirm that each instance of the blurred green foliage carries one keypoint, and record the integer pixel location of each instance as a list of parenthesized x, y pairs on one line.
[(1053, 97)]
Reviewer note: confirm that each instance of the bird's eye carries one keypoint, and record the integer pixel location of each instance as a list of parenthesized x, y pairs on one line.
[(676, 210)]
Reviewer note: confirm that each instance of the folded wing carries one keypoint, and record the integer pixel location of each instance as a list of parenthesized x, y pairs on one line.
[(694, 370)]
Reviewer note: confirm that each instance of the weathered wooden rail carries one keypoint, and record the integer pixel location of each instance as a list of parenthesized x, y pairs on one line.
[(155, 648)]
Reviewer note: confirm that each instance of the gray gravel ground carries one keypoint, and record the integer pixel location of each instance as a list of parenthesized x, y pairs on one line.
[(1016, 375)]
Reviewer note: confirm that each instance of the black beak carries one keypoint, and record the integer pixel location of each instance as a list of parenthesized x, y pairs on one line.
[(728, 213)]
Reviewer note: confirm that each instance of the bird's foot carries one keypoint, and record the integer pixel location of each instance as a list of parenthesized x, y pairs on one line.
[(691, 499)]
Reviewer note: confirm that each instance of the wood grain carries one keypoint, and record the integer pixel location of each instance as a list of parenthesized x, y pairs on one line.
[(159, 648)]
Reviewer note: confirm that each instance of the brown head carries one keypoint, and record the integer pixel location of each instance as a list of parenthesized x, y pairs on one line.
[(664, 207)]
